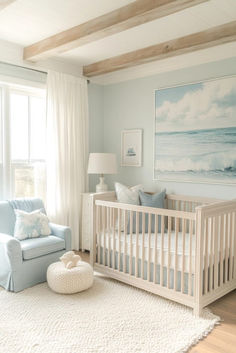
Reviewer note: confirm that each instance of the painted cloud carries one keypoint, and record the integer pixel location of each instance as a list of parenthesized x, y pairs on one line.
[(208, 105)]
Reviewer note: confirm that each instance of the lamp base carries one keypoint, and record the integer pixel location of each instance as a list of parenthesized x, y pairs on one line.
[(101, 187)]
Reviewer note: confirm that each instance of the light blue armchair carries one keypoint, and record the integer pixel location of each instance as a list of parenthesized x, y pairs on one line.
[(24, 263)]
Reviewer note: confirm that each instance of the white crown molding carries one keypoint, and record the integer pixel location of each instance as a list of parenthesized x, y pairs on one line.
[(13, 53)]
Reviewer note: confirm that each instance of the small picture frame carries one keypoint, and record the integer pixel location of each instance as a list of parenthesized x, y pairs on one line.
[(131, 148)]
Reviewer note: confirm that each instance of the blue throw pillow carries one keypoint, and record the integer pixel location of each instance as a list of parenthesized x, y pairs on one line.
[(156, 200)]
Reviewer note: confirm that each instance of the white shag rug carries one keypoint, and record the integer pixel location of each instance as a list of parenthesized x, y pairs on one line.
[(110, 317)]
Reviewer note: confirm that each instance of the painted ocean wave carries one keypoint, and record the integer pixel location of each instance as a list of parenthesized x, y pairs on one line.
[(206, 152), (216, 162)]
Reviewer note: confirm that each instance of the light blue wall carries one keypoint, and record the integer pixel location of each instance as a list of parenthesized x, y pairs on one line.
[(130, 105)]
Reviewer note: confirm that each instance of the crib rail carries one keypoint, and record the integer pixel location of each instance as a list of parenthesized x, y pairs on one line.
[(142, 246), (187, 203)]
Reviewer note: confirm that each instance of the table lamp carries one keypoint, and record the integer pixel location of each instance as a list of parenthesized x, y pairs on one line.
[(102, 163)]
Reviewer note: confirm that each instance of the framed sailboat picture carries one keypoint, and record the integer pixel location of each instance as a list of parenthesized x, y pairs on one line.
[(195, 132), (131, 148)]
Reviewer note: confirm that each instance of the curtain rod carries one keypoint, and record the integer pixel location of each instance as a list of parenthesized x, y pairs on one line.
[(28, 68)]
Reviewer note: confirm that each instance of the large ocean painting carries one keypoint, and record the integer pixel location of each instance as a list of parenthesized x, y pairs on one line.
[(195, 132)]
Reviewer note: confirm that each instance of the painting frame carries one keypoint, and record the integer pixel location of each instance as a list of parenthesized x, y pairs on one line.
[(199, 180), (131, 147)]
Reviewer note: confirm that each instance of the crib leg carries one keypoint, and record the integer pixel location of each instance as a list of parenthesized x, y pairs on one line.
[(197, 310)]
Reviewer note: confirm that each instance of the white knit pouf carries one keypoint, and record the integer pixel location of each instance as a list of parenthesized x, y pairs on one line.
[(69, 281)]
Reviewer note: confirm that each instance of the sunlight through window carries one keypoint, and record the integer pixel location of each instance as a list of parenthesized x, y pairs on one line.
[(23, 143)]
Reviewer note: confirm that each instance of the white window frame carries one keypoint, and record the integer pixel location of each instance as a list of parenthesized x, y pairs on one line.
[(8, 165)]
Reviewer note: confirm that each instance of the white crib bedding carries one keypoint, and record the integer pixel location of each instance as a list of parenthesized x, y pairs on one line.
[(152, 244)]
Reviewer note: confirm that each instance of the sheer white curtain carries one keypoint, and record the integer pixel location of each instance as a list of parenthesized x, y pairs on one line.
[(67, 149)]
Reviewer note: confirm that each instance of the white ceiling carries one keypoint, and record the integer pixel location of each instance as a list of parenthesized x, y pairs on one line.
[(195, 19), (27, 21)]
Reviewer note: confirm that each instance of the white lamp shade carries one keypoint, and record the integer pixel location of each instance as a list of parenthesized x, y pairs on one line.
[(102, 163)]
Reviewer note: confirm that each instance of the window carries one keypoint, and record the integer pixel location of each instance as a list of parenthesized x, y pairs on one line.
[(24, 143)]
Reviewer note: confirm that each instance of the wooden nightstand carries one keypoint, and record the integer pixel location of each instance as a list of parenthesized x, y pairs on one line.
[(86, 219)]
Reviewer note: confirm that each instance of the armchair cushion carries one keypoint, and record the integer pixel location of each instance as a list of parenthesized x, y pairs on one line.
[(32, 248)]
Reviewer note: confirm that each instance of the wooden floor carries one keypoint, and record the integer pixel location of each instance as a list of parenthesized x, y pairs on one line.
[(223, 338)]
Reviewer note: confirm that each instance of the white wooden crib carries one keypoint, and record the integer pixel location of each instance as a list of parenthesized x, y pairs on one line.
[(189, 256)]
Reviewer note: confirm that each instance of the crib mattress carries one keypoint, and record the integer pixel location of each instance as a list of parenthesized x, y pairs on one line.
[(182, 260)]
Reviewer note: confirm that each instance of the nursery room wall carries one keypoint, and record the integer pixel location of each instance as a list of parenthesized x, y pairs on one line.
[(95, 98), (130, 105)]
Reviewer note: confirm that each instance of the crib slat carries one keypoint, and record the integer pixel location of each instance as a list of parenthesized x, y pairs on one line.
[(226, 246), (178, 205), (180, 219), (110, 238), (155, 249), (137, 244), (190, 207), (173, 205), (162, 249), (169, 250), (222, 235), (99, 232), (183, 254), (143, 250), (190, 258), (172, 208), (149, 247), (104, 235), (211, 255), (231, 247), (206, 256), (109, 234), (216, 252), (119, 236), (131, 243), (125, 240), (176, 252), (114, 238)]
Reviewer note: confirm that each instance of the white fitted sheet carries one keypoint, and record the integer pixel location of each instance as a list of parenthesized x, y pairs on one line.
[(181, 261)]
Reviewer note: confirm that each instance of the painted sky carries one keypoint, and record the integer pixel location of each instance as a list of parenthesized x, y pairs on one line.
[(198, 106)]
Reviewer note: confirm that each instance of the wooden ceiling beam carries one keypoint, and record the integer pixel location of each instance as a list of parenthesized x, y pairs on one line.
[(134, 14), (5, 3), (215, 36)]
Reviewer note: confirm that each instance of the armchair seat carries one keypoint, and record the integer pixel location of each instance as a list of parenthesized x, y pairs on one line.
[(32, 248)]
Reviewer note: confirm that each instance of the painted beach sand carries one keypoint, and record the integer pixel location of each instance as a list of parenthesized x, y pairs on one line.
[(195, 137)]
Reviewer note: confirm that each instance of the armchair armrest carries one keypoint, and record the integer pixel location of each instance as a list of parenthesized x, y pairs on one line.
[(10, 252), (62, 232)]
